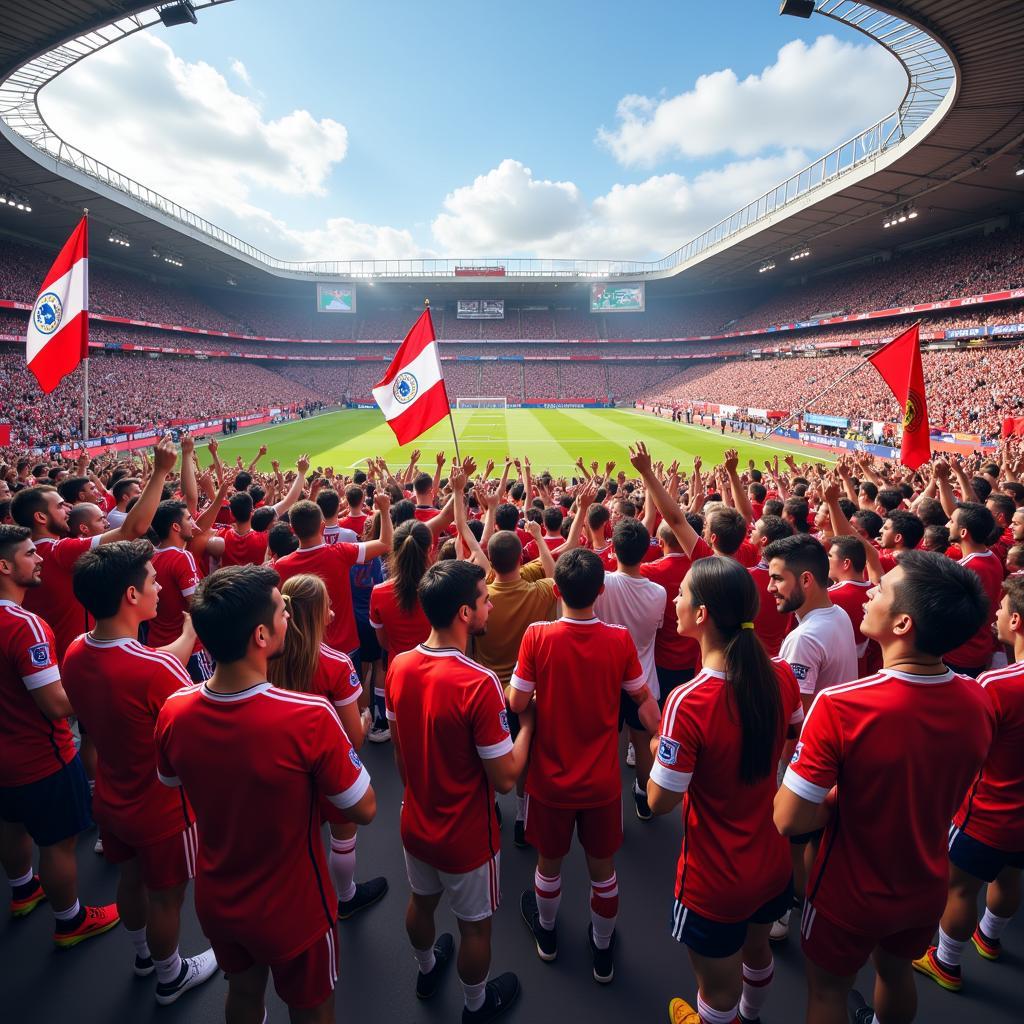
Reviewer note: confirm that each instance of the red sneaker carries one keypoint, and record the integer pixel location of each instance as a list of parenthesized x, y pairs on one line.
[(97, 920), (986, 947), (25, 906)]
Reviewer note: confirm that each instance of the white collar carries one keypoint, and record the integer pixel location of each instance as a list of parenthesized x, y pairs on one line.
[(580, 622), (230, 698)]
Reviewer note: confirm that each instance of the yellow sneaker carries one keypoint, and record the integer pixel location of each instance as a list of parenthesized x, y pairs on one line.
[(931, 967), (681, 1012)]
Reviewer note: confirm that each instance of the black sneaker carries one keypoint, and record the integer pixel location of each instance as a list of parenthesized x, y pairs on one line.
[(497, 812), (643, 809), (500, 994), (747, 1020), (428, 984), (367, 893), (519, 838), (858, 1009), (604, 959), (546, 939), (144, 966)]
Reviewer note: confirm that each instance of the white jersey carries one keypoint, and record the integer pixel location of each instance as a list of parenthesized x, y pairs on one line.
[(339, 535), (639, 605), (821, 650)]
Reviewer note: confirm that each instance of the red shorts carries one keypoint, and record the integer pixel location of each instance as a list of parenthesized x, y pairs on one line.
[(303, 982), (549, 829), (164, 864), (842, 952)]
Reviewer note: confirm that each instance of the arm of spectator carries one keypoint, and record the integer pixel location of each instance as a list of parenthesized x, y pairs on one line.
[(218, 466), (947, 498), (488, 470), (459, 475), (443, 519), (547, 560), (963, 481), (209, 517), (584, 499), (841, 526), (295, 491), (739, 493), (670, 511), (529, 483), (183, 646), (256, 458), (278, 478), (440, 460), (373, 548), (846, 476), (489, 502), (503, 482), (189, 487), (138, 520)]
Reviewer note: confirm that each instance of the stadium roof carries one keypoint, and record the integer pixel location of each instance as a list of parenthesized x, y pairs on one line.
[(951, 149)]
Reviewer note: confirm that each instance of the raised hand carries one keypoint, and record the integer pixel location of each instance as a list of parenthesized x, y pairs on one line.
[(188, 445), (457, 478), (468, 466), (440, 459), (732, 460), (302, 464), (164, 455), (533, 529), (640, 458)]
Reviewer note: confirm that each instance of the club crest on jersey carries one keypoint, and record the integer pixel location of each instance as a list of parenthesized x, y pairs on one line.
[(800, 671), (354, 758), (503, 718), (353, 681), (668, 750), (39, 655), (48, 312), (405, 388), (797, 750)]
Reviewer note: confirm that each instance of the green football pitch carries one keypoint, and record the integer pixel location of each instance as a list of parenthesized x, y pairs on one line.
[(551, 438)]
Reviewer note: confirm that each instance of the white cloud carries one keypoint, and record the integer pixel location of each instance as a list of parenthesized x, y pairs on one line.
[(812, 96), (241, 72)]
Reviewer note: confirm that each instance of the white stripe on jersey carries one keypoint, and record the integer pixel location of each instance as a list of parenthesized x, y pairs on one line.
[(675, 697), (169, 662), (29, 617)]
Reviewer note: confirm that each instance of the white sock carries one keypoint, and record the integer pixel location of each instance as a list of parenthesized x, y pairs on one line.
[(520, 808), (756, 985), (14, 883), (425, 959), (138, 937), (604, 910), (950, 951), (474, 994), (70, 914), (991, 925), (169, 969), (342, 865), (549, 895), (710, 1016)]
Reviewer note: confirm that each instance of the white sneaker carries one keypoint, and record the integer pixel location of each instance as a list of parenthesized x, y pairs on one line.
[(195, 970), (780, 929), (98, 847), (631, 756), (380, 732)]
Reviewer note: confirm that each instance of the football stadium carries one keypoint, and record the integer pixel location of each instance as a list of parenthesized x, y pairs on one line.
[(304, 492)]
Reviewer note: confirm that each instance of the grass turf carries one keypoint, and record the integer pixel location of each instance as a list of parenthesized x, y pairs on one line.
[(551, 438)]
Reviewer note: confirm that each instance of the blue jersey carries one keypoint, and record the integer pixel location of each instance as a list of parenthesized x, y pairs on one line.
[(362, 578)]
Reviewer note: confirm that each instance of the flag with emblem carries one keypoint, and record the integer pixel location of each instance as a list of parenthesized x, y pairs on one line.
[(412, 394), (58, 329), (899, 363)]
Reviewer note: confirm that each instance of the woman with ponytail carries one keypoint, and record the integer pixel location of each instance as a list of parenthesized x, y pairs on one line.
[(395, 611), (308, 665), (720, 740)]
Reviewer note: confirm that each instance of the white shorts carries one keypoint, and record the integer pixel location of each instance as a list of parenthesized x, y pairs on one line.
[(474, 895)]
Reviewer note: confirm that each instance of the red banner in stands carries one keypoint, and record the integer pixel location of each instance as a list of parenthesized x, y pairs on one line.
[(1013, 426), (5, 434)]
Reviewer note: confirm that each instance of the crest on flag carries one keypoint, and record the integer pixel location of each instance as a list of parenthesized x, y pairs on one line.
[(406, 388), (912, 413), (48, 313)]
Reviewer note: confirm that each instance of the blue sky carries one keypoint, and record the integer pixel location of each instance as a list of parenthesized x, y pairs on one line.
[(327, 130)]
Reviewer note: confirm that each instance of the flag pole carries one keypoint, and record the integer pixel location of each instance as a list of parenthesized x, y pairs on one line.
[(837, 381), (85, 379), (451, 420)]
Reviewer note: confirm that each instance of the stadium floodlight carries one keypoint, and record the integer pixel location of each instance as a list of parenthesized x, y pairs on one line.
[(180, 13), (912, 212), (1019, 169), (800, 254), (797, 8), (765, 267)]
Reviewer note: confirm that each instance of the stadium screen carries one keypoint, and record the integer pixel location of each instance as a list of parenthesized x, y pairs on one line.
[(616, 298), (335, 298), (481, 309)]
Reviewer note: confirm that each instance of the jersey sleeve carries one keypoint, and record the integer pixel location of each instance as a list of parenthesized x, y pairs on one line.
[(165, 771), (814, 767), (701, 550), (339, 773), (524, 675), (348, 687), (67, 551), (350, 554), (33, 652), (389, 706), (532, 572), (792, 705), (804, 656), (186, 575), (375, 612), (679, 744), (489, 719), (634, 678)]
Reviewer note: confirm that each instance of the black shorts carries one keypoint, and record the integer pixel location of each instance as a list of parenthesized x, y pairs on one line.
[(53, 808), (979, 859), (629, 713), (369, 648), (721, 939), (669, 679)]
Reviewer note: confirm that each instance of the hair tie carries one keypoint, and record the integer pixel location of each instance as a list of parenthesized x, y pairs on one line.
[(746, 625)]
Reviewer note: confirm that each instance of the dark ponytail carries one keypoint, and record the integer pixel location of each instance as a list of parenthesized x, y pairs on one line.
[(728, 592), (410, 556)]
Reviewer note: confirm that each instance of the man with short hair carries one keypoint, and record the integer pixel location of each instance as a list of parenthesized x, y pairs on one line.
[(1002, 508), (330, 505), (124, 492), (44, 791), (261, 873), (987, 837), (849, 591), (242, 544), (450, 728), (117, 687), (880, 735), (77, 489), (770, 624), (552, 537), (901, 531), (578, 670), (355, 517)]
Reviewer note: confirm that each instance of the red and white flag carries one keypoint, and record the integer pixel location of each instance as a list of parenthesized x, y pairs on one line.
[(58, 329), (412, 395)]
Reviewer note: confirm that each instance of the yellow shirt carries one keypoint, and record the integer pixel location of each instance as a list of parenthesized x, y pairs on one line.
[(531, 598)]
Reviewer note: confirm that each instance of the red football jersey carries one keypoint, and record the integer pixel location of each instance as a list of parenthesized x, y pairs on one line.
[(331, 562), (403, 630), (671, 650), (248, 548), (852, 596), (904, 749), (255, 765), (531, 551), (449, 715), (977, 652), (733, 859), (993, 810), (607, 556), (55, 600), (354, 523), (770, 624), (578, 669), (747, 554), (336, 678), (117, 688), (31, 746), (178, 576)]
